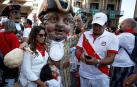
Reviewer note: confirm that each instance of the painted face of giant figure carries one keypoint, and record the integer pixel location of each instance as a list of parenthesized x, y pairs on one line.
[(58, 25), (58, 19)]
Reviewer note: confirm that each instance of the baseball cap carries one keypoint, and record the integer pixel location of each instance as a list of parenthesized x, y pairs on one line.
[(99, 18)]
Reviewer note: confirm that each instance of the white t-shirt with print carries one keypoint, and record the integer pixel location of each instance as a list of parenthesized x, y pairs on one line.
[(106, 42)]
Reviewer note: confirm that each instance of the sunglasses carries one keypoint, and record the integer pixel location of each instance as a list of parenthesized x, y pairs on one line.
[(42, 35)]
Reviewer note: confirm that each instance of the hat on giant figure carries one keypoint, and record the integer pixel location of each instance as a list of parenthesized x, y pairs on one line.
[(57, 5), (6, 9)]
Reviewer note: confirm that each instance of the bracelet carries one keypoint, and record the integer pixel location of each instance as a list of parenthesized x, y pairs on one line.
[(98, 62)]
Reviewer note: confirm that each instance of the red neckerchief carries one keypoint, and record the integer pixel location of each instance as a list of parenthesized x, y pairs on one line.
[(129, 30), (29, 26), (41, 49), (95, 37)]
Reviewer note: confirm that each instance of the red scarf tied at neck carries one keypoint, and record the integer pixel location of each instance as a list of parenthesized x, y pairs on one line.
[(129, 30), (41, 48)]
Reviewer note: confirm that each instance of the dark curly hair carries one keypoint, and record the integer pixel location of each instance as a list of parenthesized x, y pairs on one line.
[(46, 73), (32, 37)]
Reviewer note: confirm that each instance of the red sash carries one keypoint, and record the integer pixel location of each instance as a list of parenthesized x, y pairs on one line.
[(90, 51)]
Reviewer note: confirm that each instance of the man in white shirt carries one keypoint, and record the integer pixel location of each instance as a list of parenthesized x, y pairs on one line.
[(123, 65), (96, 50), (27, 25)]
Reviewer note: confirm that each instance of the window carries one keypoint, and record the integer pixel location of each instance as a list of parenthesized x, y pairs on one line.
[(79, 4), (110, 7), (94, 5)]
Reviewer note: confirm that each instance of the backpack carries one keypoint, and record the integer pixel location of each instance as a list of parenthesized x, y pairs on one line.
[(133, 55)]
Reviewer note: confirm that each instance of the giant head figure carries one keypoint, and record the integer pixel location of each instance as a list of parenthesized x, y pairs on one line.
[(58, 19)]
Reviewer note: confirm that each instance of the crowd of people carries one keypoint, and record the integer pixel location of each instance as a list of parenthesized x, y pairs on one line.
[(65, 51)]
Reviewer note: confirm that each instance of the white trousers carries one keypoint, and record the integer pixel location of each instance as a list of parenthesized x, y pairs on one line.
[(103, 82)]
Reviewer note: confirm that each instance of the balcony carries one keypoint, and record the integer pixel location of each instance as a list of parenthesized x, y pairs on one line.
[(112, 14)]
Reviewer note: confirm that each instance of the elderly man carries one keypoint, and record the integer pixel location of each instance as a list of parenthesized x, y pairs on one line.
[(13, 12), (96, 50), (58, 21), (77, 31), (123, 65)]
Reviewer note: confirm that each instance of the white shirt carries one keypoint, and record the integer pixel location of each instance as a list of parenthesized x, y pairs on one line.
[(54, 83), (26, 32), (18, 26), (122, 59), (31, 67), (73, 60), (106, 42)]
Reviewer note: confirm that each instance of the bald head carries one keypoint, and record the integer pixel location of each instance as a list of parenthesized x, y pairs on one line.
[(128, 23)]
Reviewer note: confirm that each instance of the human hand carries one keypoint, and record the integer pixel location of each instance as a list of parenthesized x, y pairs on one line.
[(42, 85), (22, 45), (91, 61), (82, 58), (128, 82)]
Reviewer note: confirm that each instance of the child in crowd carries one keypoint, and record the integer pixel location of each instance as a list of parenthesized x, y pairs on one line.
[(50, 75)]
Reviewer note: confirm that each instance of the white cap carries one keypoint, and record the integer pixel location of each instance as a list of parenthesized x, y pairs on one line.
[(99, 18)]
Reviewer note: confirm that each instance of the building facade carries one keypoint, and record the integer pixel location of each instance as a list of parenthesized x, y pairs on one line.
[(31, 8), (135, 12), (110, 7)]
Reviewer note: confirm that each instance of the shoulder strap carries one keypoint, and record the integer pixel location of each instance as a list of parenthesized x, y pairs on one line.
[(134, 52), (132, 55), (126, 51), (88, 47)]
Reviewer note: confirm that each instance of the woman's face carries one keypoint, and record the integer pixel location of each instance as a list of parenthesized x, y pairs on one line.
[(58, 25), (41, 36)]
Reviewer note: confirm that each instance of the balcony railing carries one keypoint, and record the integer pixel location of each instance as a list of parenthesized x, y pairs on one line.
[(111, 13)]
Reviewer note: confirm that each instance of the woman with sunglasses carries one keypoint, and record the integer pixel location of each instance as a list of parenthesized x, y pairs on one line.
[(34, 60)]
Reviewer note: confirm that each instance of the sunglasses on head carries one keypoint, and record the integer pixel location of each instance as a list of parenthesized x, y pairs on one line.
[(42, 35)]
